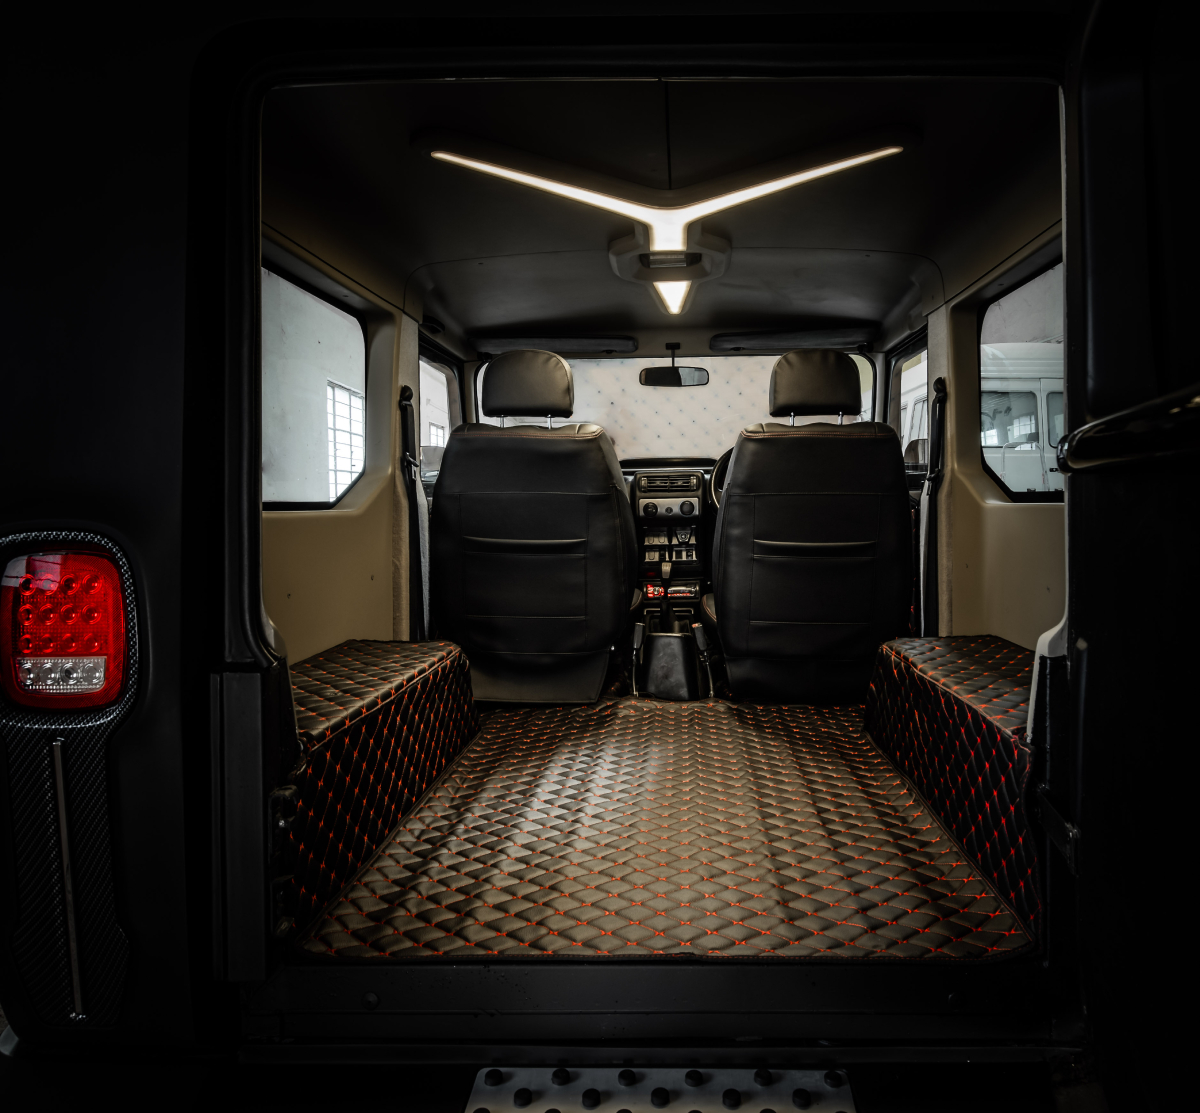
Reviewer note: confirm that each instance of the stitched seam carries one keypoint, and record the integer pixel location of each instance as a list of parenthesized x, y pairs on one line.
[(367, 709)]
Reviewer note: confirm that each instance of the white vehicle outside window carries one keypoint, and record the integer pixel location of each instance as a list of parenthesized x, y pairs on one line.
[(1021, 385)]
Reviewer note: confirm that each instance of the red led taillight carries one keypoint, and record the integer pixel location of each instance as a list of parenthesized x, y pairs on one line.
[(62, 630)]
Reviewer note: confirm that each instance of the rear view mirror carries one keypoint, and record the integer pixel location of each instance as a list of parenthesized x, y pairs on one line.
[(673, 376)]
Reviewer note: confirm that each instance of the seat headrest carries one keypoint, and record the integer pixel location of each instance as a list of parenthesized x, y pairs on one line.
[(528, 384), (814, 382)]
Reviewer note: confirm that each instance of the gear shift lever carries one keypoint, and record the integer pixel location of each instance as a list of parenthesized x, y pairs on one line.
[(666, 623)]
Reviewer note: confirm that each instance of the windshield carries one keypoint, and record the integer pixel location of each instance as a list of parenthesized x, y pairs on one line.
[(657, 421)]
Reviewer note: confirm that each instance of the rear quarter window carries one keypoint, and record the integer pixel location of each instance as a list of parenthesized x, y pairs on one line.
[(1021, 386), (314, 372)]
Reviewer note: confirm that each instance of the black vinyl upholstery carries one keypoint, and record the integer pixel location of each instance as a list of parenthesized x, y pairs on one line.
[(812, 553), (377, 724), (533, 553), (814, 383), (950, 713), (528, 384)]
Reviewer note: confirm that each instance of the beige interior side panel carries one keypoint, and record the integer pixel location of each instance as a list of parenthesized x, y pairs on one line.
[(327, 574), (1002, 566)]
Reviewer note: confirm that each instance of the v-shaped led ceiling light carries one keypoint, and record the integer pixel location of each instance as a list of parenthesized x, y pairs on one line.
[(668, 224), (673, 294)]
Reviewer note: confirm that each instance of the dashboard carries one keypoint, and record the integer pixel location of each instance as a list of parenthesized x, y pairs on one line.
[(674, 516)]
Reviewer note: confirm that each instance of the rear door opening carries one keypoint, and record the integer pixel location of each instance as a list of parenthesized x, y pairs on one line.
[(850, 824), (582, 594)]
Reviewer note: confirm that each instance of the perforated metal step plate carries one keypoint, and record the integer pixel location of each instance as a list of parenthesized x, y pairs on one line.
[(651, 1089)]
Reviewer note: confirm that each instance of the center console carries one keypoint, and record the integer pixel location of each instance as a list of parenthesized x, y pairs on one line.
[(674, 524), (675, 532)]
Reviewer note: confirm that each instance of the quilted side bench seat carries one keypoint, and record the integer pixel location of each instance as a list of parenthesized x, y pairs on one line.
[(951, 714), (378, 722)]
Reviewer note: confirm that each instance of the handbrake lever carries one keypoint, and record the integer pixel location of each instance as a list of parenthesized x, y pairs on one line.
[(702, 646), (639, 634)]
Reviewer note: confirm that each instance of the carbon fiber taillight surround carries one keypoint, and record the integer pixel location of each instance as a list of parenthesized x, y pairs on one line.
[(36, 922)]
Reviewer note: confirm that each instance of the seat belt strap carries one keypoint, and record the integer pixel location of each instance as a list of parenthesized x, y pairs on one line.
[(423, 532), (418, 520), (929, 491)]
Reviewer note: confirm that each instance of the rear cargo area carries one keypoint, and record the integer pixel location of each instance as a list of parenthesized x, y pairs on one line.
[(637, 828)]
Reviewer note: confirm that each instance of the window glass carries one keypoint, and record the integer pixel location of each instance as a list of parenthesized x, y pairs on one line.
[(910, 380), (435, 419), (866, 383), (313, 390), (1021, 384), (920, 430), (345, 432), (1055, 426), (649, 421)]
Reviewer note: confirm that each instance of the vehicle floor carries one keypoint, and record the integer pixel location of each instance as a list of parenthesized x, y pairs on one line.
[(636, 828)]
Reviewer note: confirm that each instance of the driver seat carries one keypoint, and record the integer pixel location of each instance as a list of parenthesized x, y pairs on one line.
[(812, 551), (533, 554)]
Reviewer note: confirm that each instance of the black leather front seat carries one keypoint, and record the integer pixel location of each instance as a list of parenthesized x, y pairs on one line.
[(533, 553), (812, 553)]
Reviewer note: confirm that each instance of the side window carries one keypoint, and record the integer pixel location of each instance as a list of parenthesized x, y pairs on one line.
[(909, 391), (344, 408), (1054, 416), (436, 421), (314, 370), (866, 380), (1021, 385)]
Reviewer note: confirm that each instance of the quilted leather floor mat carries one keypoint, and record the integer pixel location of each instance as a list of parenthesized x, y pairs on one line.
[(950, 713), (637, 828)]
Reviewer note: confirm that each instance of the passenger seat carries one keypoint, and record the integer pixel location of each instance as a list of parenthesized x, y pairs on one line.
[(533, 551), (812, 552)]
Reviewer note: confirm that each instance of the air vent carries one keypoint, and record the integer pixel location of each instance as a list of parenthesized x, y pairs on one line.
[(670, 483)]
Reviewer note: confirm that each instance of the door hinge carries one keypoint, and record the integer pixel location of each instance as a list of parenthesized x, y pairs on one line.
[(1063, 833)]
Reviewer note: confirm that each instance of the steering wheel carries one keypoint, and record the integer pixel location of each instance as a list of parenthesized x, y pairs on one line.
[(717, 479)]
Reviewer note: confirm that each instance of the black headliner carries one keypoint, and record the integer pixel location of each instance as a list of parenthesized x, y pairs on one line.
[(487, 256)]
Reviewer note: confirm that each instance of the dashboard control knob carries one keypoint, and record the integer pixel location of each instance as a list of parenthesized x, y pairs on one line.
[(649, 509), (561, 1076), (627, 1078), (694, 1078), (493, 1077), (522, 1098), (686, 508), (591, 1099)]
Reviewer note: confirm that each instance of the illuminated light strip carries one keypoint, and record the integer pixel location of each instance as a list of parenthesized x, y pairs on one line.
[(668, 224), (673, 294)]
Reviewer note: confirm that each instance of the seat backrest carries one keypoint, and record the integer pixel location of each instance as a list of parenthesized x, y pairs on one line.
[(533, 553), (812, 553)]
